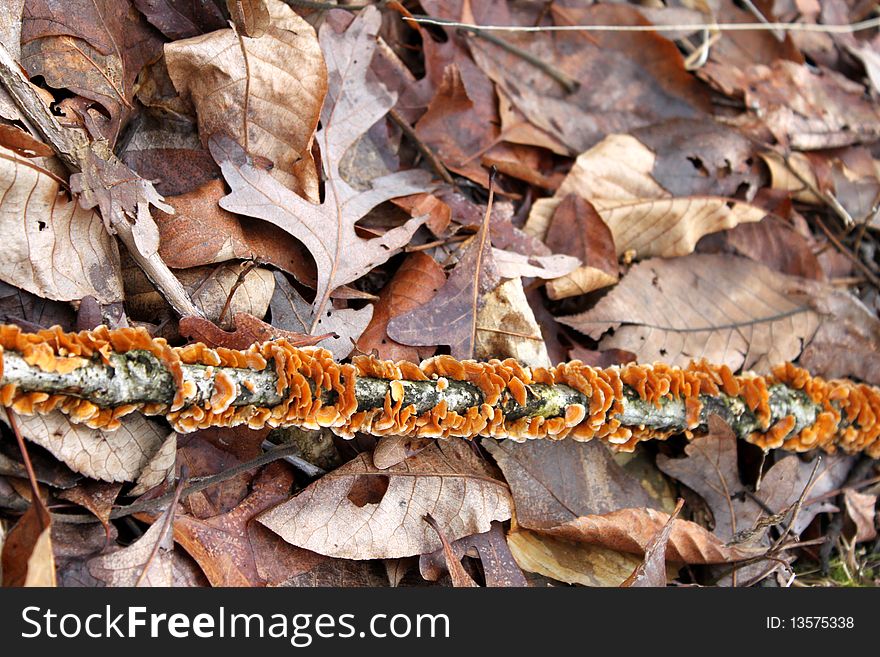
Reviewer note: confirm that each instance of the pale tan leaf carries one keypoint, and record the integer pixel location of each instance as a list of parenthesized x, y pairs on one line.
[(507, 328), (360, 512), (141, 563), (569, 562), (41, 563), (264, 92), (861, 509), (118, 455), (158, 468), (513, 265), (581, 281), (724, 308), (615, 176), (251, 17), (52, 247)]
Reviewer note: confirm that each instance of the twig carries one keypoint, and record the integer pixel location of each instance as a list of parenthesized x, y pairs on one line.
[(845, 28), (166, 524), (568, 83), (247, 269), (875, 281), (72, 146), (426, 151)]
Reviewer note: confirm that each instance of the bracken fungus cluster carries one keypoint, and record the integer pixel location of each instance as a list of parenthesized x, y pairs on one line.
[(312, 390)]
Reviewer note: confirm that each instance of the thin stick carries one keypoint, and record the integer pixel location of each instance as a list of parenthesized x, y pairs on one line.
[(438, 166), (166, 524), (846, 28)]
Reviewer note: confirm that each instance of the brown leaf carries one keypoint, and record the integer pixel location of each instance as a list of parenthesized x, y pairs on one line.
[(569, 562), (248, 330), (775, 244), (251, 17), (340, 254), (415, 283), (723, 308), (96, 496), (200, 232), (498, 565), (242, 86), (159, 468), (652, 571), (847, 344), (232, 550), (556, 482), (450, 317), (392, 450), (94, 48), (340, 573), (53, 247), (578, 230), (361, 512), (32, 312), (10, 37), (23, 144), (27, 558), (344, 325), (631, 530), (148, 561), (181, 19), (459, 576), (625, 81), (118, 455), (808, 108), (616, 177), (860, 507)]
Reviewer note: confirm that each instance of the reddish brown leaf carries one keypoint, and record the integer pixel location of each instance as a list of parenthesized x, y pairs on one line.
[(652, 571), (200, 232), (460, 577), (96, 496), (27, 558), (95, 48), (248, 330), (181, 19), (251, 17), (414, 284)]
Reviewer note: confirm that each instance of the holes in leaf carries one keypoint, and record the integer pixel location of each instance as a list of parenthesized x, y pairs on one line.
[(368, 489)]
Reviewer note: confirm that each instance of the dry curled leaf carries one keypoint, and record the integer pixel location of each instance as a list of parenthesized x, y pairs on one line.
[(361, 512), (243, 86), (27, 556), (726, 309), (498, 565), (52, 247), (355, 102), (248, 330), (616, 177), (180, 19), (251, 17), (861, 508), (118, 455), (652, 571), (459, 576)]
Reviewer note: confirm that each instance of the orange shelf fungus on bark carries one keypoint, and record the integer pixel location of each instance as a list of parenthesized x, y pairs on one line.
[(211, 387)]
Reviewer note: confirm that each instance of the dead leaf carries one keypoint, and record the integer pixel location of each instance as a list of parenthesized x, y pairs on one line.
[(625, 81), (96, 496), (392, 450), (516, 265), (159, 469), (200, 232), (415, 283), (30, 311), (631, 530), (27, 550), (459, 576), (241, 86), (248, 330), (54, 248), (340, 573), (251, 17), (572, 563), (652, 571), (616, 177), (181, 19), (361, 512), (354, 104), (577, 230), (118, 455), (94, 48), (556, 482), (293, 313), (860, 507), (726, 309), (450, 317), (506, 327), (233, 550), (498, 565), (146, 562)]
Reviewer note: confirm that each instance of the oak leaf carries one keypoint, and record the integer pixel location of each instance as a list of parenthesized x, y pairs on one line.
[(354, 103), (360, 512)]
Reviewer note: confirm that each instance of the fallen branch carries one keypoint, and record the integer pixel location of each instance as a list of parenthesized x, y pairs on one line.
[(97, 377)]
